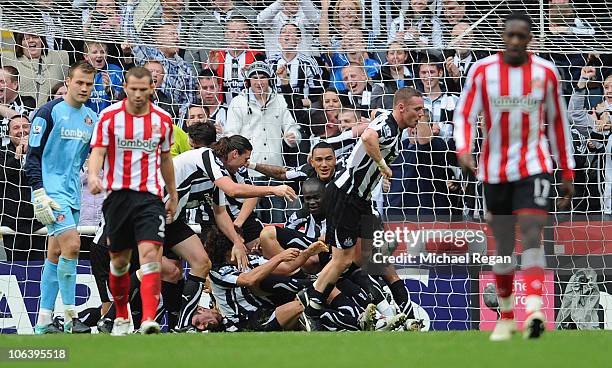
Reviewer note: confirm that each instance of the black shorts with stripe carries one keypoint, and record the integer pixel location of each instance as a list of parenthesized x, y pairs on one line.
[(348, 217), (529, 195), (133, 217)]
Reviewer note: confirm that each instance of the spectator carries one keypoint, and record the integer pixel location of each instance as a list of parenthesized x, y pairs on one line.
[(59, 90), (9, 97), (100, 19), (301, 13), (437, 99), (229, 64), (354, 53), (395, 74), (341, 136), (210, 93), (331, 106), (159, 97), (299, 75), (359, 96), (108, 82), (587, 128), (39, 68), (463, 58), (211, 18), (16, 211), (422, 184), (180, 80), (196, 114), (453, 13), (567, 28), (148, 16), (347, 15), (417, 26), (261, 115)]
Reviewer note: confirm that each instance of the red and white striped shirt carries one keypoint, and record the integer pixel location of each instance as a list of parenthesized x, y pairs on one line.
[(134, 147), (521, 105)]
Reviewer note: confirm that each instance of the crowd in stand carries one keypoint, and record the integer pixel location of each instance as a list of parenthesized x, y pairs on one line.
[(322, 78)]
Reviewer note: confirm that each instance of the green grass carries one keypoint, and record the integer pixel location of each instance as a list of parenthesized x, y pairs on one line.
[(322, 350)]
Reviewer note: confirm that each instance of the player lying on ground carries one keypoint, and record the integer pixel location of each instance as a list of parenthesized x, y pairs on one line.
[(133, 139), (525, 118), (59, 144)]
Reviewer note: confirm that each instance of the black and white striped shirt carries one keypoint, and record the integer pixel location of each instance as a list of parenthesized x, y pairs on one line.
[(219, 116), (235, 302), (313, 228), (305, 75), (361, 174), (195, 172), (234, 205)]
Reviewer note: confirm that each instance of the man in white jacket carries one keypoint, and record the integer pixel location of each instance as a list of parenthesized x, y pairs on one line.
[(262, 116)]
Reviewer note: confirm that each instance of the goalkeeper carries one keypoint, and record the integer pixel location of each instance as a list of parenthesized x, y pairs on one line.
[(59, 145)]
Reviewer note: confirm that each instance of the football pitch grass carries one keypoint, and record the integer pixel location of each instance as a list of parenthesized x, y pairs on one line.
[(287, 349)]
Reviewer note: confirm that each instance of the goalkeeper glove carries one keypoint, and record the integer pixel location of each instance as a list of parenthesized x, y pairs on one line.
[(44, 206)]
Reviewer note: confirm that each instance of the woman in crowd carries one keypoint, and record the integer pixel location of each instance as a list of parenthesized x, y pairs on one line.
[(39, 68)]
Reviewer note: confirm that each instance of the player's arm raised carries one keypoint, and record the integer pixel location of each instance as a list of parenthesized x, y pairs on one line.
[(237, 190), (372, 147)]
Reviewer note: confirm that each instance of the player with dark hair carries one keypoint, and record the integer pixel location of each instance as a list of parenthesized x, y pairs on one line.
[(59, 145), (133, 139), (519, 95), (352, 189)]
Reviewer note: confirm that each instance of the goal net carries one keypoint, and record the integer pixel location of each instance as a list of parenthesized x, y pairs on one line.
[(335, 63)]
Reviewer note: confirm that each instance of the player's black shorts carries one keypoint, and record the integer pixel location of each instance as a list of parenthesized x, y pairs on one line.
[(291, 238), (263, 320), (133, 217), (251, 229), (176, 232), (348, 218), (100, 266), (531, 194)]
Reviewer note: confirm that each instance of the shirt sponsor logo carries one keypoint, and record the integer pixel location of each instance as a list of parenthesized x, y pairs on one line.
[(148, 145), (75, 134), (526, 103)]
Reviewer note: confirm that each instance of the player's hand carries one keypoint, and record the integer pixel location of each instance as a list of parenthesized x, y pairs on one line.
[(94, 183), (44, 206), (386, 185), (239, 255), (288, 255), (285, 191), (317, 247), (567, 190), (466, 161), (385, 171), (171, 205)]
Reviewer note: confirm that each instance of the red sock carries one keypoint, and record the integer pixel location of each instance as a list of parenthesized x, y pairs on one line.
[(150, 288), (534, 279), (120, 288), (504, 285)]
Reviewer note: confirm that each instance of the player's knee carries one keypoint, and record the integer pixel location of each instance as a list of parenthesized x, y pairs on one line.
[(201, 266), (148, 253), (120, 262), (268, 234)]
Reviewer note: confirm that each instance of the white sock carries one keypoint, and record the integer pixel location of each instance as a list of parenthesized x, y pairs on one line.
[(533, 303), (506, 304), (385, 309), (44, 317), (69, 312)]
